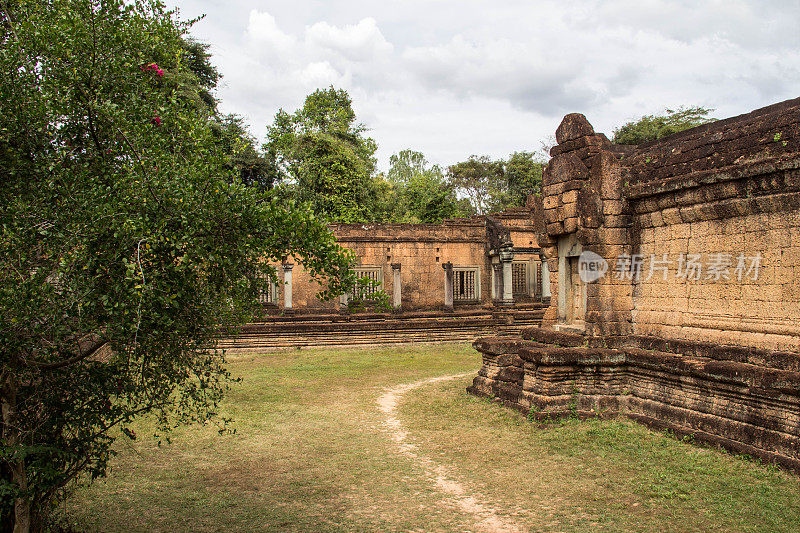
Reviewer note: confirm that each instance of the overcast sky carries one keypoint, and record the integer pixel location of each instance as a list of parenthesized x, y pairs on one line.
[(454, 78)]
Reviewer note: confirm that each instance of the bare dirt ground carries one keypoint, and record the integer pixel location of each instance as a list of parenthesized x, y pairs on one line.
[(485, 515)]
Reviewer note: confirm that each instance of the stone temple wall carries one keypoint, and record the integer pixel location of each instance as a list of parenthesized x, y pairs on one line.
[(728, 193), (676, 287), (421, 249)]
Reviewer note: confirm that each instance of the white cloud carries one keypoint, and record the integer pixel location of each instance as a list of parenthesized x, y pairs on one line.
[(754, 24), (456, 77), (359, 42), (527, 75), (319, 56), (262, 31), (321, 73)]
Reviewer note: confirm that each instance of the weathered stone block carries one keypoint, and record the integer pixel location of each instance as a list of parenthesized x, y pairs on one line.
[(569, 197), (568, 210), (613, 207), (567, 167), (570, 224), (572, 127)]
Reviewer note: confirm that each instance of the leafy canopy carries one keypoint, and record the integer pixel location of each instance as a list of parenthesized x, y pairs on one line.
[(523, 173), (421, 192), (128, 243), (494, 185), (480, 179), (246, 161), (652, 127), (320, 155)]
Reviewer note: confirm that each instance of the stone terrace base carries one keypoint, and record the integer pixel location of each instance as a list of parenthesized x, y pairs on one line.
[(317, 330), (745, 400)]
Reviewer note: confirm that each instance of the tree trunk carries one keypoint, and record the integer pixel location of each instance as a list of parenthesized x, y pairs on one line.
[(22, 515), (11, 438)]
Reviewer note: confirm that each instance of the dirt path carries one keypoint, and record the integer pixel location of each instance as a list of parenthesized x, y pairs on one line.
[(486, 517)]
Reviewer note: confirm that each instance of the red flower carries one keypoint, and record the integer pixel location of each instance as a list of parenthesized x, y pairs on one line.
[(156, 120), (155, 68)]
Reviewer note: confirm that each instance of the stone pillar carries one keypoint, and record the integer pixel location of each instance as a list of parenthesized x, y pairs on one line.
[(508, 295), (545, 280), (497, 281), (506, 257), (344, 299), (397, 288), (532, 278), (448, 285), (287, 285)]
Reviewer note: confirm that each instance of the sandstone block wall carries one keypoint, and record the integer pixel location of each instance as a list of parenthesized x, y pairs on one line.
[(720, 307), (687, 388), (336, 329), (727, 192), (421, 249), (722, 193), (583, 210), (695, 324)]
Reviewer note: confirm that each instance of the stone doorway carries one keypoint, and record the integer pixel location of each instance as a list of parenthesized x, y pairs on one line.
[(576, 294), (571, 290)]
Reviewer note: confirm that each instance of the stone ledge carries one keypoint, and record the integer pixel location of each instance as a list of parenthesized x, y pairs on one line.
[(740, 406), (377, 329), (713, 176), (762, 358)]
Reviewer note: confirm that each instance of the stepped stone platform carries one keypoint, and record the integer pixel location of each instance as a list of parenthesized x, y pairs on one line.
[(744, 399), (326, 330)]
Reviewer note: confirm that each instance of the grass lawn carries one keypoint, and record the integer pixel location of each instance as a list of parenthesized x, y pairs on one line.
[(311, 453)]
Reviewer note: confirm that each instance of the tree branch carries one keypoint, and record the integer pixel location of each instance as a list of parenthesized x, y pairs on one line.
[(86, 349)]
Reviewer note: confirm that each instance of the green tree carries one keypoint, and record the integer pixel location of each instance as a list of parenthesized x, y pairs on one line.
[(491, 185), (428, 199), (126, 247), (523, 175), (421, 190), (246, 161), (406, 164), (481, 180), (322, 155), (387, 205), (197, 83), (204, 74), (652, 127)]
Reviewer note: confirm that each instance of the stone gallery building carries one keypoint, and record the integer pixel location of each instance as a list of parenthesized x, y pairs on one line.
[(484, 261), (452, 281), (675, 274)]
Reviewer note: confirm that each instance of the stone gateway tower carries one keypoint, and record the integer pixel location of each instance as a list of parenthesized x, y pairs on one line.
[(675, 278)]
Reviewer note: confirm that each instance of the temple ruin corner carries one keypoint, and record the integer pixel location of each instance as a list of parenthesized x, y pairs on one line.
[(675, 277)]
